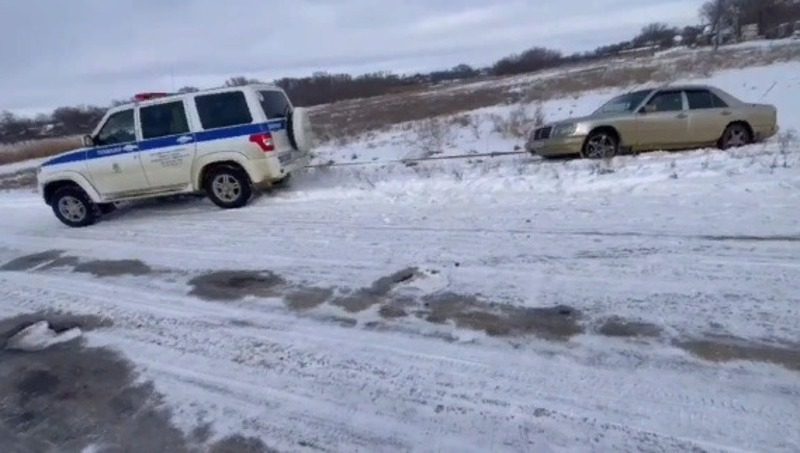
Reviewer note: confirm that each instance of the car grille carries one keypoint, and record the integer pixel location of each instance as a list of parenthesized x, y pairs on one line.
[(542, 133)]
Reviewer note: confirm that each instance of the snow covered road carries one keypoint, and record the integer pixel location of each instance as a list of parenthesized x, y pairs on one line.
[(648, 304)]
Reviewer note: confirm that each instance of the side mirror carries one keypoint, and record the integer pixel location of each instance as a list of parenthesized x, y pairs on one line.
[(88, 141)]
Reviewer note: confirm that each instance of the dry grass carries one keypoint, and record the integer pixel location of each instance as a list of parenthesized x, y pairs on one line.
[(36, 149), (348, 119)]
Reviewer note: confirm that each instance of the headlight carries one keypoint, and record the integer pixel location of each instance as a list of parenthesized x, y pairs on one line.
[(564, 130)]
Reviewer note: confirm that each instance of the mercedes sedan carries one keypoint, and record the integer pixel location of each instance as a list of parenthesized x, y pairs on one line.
[(676, 117)]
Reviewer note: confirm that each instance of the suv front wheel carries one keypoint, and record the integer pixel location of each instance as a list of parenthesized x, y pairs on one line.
[(73, 207), (228, 187)]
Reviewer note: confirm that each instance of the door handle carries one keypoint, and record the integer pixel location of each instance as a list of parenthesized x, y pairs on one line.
[(682, 116), (184, 139), (130, 148), (727, 113)]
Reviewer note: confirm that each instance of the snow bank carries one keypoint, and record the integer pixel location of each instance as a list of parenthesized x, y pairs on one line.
[(39, 336)]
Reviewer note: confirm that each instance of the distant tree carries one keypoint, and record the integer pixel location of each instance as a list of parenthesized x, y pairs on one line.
[(239, 81), (188, 89), (690, 35), (531, 60), (720, 15), (75, 120), (657, 33)]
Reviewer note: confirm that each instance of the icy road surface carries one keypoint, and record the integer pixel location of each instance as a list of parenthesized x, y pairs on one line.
[(649, 304)]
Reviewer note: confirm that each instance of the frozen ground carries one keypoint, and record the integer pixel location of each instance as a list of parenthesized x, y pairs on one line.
[(509, 304)]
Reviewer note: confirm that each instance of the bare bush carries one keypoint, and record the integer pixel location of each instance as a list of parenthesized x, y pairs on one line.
[(433, 135), (789, 143), (37, 149), (518, 123)]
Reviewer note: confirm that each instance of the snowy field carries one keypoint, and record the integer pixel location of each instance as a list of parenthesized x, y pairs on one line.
[(495, 129), (645, 303)]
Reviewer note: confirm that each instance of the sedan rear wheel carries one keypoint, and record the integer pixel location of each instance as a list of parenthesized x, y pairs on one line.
[(735, 135), (601, 145)]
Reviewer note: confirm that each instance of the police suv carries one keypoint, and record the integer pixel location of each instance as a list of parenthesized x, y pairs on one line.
[(223, 142)]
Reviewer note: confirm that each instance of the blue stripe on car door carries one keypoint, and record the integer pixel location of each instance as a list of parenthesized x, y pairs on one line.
[(156, 143)]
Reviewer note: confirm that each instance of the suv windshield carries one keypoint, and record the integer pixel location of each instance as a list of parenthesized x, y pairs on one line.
[(625, 103), (274, 104)]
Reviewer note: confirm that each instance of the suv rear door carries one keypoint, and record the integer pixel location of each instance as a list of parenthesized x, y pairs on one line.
[(167, 145), (114, 163), (278, 110)]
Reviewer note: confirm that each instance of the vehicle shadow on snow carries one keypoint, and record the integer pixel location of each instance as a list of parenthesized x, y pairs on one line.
[(70, 397)]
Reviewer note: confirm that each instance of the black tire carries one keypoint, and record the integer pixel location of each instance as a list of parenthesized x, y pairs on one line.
[(228, 187), (290, 128), (73, 207), (735, 135), (106, 208), (600, 144)]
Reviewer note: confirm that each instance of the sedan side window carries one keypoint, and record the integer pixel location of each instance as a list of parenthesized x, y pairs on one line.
[(704, 99), (119, 128), (666, 101)]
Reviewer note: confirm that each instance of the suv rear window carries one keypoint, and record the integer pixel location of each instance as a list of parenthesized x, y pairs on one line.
[(223, 110), (274, 104), (704, 99), (163, 120)]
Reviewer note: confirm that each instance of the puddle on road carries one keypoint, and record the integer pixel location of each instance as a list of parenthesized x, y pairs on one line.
[(621, 327), (365, 298), (116, 268), (28, 262), (236, 285), (727, 349), (552, 323), (42, 392), (307, 298), (55, 259)]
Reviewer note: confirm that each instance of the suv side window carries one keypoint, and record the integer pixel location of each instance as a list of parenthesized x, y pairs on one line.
[(163, 120), (119, 128), (274, 104), (223, 110), (704, 99), (666, 101)]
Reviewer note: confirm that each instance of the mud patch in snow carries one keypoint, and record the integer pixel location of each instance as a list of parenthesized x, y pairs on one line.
[(117, 268), (307, 298), (236, 285), (43, 391), (728, 349), (551, 323), (365, 298), (28, 262), (620, 327)]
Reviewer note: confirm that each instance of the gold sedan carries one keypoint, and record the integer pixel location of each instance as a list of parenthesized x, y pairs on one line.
[(679, 117)]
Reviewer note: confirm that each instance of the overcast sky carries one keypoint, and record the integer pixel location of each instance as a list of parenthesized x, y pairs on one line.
[(67, 52)]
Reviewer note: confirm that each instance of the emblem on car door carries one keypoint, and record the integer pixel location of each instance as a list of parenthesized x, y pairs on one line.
[(116, 168)]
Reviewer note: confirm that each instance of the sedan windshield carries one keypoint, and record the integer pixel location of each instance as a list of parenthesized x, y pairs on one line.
[(625, 103)]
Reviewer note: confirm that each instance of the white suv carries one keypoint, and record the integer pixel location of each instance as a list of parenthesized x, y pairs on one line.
[(222, 142)]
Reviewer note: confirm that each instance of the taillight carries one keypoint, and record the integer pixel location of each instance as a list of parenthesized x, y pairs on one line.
[(264, 141)]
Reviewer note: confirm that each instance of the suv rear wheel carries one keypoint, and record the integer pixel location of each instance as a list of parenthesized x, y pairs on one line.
[(73, 207), (228, 187)]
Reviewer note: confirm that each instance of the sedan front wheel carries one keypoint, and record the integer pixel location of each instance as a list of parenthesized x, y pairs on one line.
[(600, 145)]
